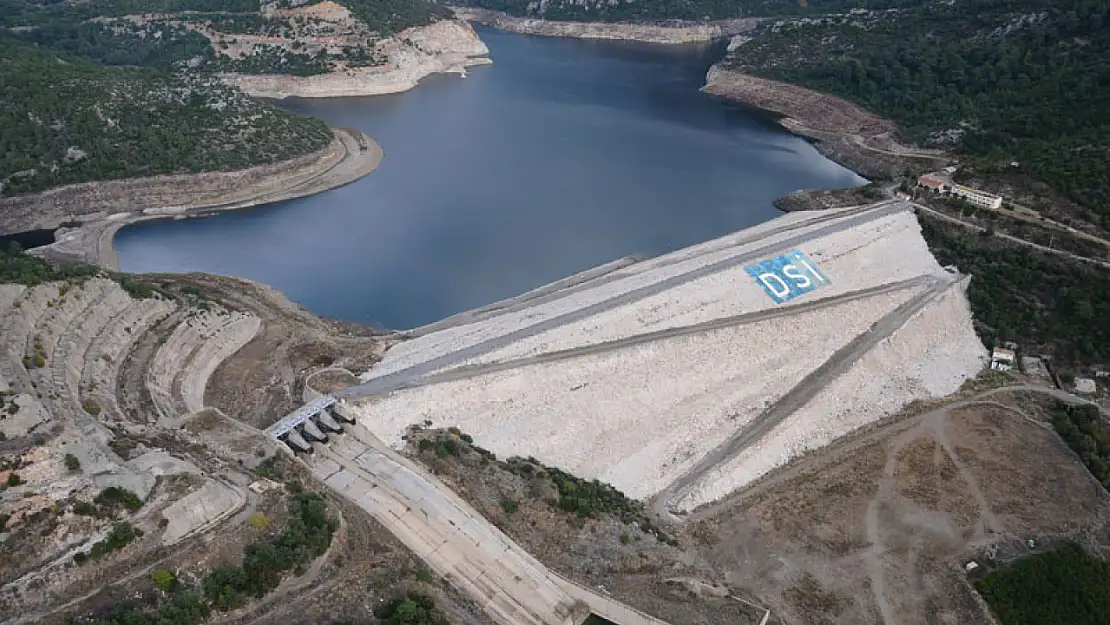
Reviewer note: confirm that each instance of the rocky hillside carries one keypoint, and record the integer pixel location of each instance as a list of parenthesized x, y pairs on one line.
[(133, 488)]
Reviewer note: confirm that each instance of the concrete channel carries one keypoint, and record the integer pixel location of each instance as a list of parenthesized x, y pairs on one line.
[(457, 542)]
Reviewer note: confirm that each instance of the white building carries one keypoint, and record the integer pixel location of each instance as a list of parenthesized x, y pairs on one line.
[(1085, 386), (1002, 359), (977, 197)]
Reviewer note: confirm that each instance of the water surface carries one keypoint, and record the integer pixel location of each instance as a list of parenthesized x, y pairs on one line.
[(562, 155)]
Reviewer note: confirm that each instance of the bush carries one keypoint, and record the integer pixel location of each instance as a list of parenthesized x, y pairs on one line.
[(414, 609), (509, 506), (424, 575), (114, 496), (85, 508), (72, 463), (259, 521), (305, 537), (14, 479), (163, 579), (121, 535), (624, 538), (90, 406)]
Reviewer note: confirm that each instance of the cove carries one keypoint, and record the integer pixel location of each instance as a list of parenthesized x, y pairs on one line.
[(562, 155)]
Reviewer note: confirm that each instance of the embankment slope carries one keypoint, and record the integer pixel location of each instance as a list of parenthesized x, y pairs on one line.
[(646, 377)]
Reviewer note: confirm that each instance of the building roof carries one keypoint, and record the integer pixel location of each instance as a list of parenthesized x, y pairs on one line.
[(930, 182), (1002, 352)]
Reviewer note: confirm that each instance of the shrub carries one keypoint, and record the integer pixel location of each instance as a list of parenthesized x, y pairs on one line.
[(163, 579), (414, 609), (624, 538), (14, 479), (509, 506), (90, 406), (426, 444), (306, 536), (423, 575), (114, 496), (72, 463), (259, 521), (85, 508)]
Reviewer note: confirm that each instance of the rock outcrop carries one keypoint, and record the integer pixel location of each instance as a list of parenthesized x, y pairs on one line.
[(674, 31), (443, 47)]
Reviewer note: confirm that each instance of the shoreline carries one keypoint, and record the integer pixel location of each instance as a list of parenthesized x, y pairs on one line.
[(841, 131), (349, 158), (669, 32), (445, 47)]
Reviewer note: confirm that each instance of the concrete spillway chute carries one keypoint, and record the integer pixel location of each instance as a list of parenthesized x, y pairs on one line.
[(296, 442), (326, 423), (309, 430), (340, 414)]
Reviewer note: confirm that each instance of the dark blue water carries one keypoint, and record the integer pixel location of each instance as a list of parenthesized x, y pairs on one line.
[(563, 155)]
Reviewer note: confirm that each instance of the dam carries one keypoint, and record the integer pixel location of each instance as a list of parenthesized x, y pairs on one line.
[(678, 379), (686, 376)]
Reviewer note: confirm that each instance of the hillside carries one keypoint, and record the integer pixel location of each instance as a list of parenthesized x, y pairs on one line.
[(117, 89), (662, 10), (1016, 88), (74, 121), (294, 37)]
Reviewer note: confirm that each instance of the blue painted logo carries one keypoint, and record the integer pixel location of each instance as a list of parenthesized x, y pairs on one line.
[(787, 276)]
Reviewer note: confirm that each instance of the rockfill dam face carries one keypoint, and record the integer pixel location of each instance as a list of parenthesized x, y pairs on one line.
[(684, 377)]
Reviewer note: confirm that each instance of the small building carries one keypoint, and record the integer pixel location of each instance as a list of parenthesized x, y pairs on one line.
[(1002, 359), (978, 198), (933, 184), (902, 195), (1086, 386)]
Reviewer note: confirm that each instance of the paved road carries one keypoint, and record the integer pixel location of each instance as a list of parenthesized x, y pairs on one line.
[(797, 397), (452, 538), (406, 376)]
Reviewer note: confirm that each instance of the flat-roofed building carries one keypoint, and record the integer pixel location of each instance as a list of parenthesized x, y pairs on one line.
[(977, 197), (1002, 359)]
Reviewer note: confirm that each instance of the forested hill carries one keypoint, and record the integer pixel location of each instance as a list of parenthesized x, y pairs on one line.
[(661, 10), (70, 120), (109, 89), (999, 81)]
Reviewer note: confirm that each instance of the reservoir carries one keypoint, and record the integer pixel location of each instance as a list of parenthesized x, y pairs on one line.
[(562, 155)]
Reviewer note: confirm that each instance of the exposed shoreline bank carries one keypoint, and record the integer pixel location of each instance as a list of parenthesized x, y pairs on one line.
[(670, 32), (841, 131), (349, 157), (449, 46)]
